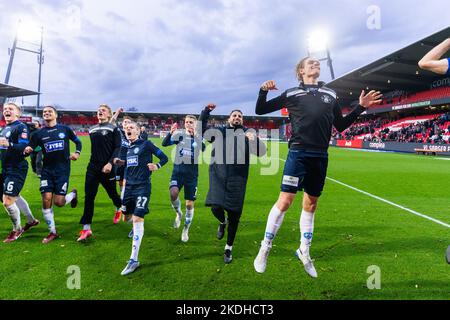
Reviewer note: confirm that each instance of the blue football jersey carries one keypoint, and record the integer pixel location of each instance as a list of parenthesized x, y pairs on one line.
[(139, 155)]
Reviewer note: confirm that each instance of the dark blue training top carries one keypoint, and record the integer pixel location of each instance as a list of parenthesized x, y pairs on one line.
[(187, 151), (55, 145), (18, 136), (140, 154)]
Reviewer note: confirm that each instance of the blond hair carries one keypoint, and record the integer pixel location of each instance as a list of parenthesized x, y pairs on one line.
[(191, 116), (300, 65), (19, 109), (107, 107)]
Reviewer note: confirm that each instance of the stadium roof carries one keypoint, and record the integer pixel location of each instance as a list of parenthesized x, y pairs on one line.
[(7, 91), (396, 71)]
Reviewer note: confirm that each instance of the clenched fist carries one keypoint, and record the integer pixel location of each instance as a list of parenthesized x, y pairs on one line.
[(269, 85)]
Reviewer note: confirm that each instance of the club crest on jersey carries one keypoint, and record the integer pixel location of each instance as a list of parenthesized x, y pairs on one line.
[(104, 132), (61, 135), (326, 99), (132, 161), (8, 134), (136, 150), (54, 146)]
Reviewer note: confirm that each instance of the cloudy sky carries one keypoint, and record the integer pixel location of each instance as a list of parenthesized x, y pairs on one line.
[(176, 56)]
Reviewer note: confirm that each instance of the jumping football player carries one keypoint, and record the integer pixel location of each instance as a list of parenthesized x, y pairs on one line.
[(313, 110), (54, 141), (185, 170), (13, 141), (139, 168)]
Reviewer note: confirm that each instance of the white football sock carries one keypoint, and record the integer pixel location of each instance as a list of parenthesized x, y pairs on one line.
[(87, 227), (50, 219), (189, 217), (138, 233), (274, 222), (23, 206), (306, 231), (176, 205), (14, 215), (69, 197), (227, 247)]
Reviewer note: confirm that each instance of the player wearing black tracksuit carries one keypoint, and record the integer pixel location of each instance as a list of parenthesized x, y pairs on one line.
[(105, 147)]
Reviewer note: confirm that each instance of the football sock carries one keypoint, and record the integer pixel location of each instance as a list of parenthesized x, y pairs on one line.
[(274, 222), (306, 231), (70, 197), (23, 206), (176, 205), (138, 231), (227, 247), (50, 219), (87, 227), (189, 217), (14, 215)]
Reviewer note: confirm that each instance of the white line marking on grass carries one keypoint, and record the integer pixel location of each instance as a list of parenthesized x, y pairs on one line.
[(448, 159), (391, 203)]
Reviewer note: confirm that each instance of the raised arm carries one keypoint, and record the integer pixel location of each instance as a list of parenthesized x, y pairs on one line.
[(168, 140), (116, 115), (262, 105), (204, 117), (365, 101), (432, 60)]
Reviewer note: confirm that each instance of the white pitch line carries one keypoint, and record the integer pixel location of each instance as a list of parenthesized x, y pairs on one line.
[(388, 202), (391, 203)]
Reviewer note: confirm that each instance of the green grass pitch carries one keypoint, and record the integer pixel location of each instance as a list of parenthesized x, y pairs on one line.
[(352, 232)]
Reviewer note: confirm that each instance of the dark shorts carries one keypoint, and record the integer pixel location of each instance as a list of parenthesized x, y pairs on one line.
[(136, 199), (180, 180), (120, 173), (54, 182), (304, 172), (14, 180)]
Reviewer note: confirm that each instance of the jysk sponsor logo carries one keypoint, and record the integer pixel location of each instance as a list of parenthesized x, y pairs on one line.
[(54, 146), (132, 161), (185, 153)]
